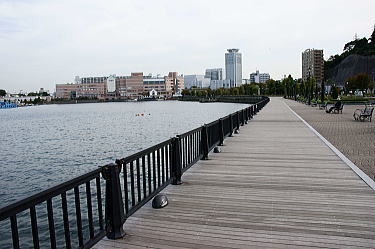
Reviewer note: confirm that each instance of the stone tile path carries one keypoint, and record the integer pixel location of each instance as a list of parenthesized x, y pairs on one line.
[(356, 140)]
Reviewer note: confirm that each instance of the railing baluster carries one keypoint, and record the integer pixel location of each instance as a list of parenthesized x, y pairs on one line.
[(163, 164), (190, 149), (89, 209), (78, 215), (34, 227), (144, 179), (139, 194), (15, 237), (153, 170), (51, 224), (132, 190), (186, 151), (149, 173), (99, 198), (66, 221), (158, 162), (126, 187)]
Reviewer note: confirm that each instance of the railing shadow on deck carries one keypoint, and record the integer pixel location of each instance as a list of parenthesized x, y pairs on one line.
[(77, 214)]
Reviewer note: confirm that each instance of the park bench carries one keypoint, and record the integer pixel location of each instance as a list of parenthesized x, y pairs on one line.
[(363, 114), (335, 108), (322, 105)]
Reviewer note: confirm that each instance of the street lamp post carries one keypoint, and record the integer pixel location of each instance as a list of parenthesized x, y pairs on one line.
[(309, 86)]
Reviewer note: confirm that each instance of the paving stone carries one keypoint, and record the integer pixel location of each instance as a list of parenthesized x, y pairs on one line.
[(356, 140)]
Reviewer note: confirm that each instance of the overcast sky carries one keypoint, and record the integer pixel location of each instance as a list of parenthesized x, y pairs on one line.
[(47, 42)]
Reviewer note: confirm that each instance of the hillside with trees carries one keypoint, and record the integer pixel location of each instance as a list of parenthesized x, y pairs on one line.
[(358, 57)]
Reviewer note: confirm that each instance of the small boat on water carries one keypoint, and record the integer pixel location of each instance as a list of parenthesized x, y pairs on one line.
[(7, 105)]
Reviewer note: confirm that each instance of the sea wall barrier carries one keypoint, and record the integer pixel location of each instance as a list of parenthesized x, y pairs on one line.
[(80, 212)]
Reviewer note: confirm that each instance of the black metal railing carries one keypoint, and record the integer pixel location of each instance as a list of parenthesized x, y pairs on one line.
[(129, 183)]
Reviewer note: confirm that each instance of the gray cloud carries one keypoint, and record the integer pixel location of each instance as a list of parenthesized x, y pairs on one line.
[(48, 42)]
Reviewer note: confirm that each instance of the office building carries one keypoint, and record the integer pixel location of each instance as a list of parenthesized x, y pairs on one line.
[(313, 65), (233, 67), (259, 77), (198, 81), (66, 91), (214, 74), (155, 83), (216, 84)]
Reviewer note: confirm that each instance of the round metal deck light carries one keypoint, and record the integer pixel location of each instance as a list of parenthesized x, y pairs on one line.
[(236, 131), (160, 201)]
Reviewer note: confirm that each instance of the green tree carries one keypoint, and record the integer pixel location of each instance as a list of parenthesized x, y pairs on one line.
[(334, 92), (185, 92), (2, 92), (241, 90), (219, 92), (360, 81)]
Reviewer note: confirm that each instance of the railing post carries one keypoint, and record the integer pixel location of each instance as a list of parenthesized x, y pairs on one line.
[(231, 125), (221, 132), (204, 141), (238, 120), (242, 117), (114, 205), (176, 167)]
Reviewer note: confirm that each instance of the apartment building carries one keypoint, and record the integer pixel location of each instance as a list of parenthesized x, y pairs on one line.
[(174, 83), (313, 65), (259, 77)]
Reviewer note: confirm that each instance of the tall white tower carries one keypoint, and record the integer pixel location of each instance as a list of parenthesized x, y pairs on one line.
[(233, 67)]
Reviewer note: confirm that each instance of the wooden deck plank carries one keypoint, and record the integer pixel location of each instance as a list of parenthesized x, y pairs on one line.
[(275, 185)]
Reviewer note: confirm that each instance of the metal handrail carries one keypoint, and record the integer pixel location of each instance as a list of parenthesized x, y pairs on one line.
[(144, 174)]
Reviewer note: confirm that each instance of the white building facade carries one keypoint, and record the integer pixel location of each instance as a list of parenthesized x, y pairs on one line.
[(194, 80), (233, 67), (216, 84), (259, 77)]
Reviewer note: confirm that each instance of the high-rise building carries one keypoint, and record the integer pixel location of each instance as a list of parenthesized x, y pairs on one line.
[(233, 67), (214, 74), (259, 77), (313, 64)]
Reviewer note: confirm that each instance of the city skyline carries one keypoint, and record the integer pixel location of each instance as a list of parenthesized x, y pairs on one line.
[(43, 43)]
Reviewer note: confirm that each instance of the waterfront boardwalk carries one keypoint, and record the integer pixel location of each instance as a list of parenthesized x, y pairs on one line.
[(275, 185)]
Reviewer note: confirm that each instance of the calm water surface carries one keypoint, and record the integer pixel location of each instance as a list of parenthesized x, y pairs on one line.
[(42, 146)]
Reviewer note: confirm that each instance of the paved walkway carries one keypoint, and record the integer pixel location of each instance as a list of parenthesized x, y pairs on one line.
[(275, 185), (356, 140)]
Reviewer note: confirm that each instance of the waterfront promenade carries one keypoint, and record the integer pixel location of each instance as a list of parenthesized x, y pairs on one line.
[(274, 185)]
